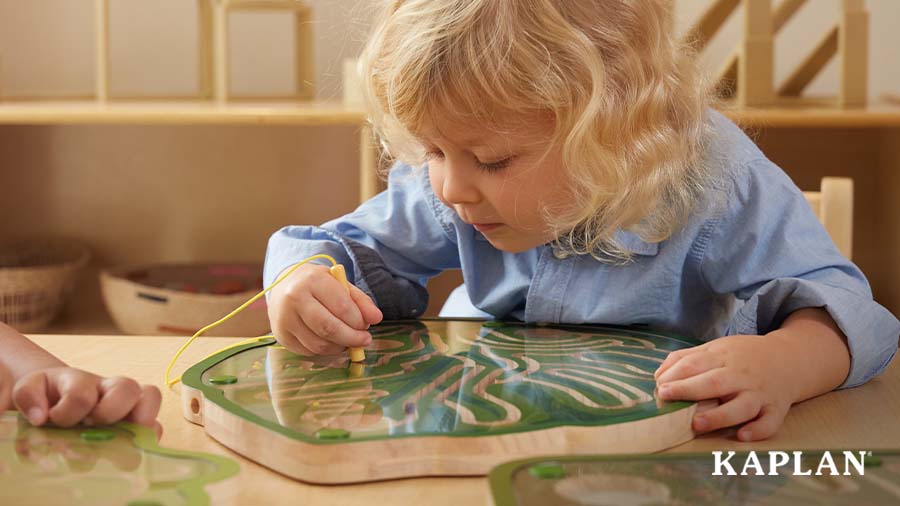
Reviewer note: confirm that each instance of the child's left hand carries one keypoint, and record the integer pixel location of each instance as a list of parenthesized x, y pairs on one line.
[(747, 374), (6, 383), (67, 396)]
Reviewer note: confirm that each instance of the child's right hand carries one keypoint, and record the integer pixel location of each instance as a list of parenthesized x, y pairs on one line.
[(312, 313)]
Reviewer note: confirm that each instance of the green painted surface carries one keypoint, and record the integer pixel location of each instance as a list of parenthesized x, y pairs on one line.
[(687, 480), (224, 379), (97, 435), (332, 434), (875, 461), (547, 471), (114, 465), (439, 378)]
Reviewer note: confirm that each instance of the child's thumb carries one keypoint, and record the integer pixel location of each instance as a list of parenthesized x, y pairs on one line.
[(30, 397), (370, 312)]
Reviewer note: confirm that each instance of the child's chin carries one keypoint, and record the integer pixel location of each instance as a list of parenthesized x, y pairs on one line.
[(511, 245)]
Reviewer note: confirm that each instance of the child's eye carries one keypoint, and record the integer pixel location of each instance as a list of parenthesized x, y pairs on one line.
[(436, 154), (496, 166)]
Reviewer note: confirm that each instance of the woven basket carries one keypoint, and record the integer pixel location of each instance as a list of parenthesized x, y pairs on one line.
[(180, 299), (36, 279)]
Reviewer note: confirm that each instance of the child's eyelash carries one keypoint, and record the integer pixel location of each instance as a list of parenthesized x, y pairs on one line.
[(489, 167), (496, 166)]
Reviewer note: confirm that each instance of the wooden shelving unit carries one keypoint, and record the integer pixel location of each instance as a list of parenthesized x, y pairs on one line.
[(85, 313), (811, 114), (178, 113), (809, 138), (809, 142)]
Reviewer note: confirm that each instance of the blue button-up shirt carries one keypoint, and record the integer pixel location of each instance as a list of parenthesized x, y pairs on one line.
[(752, 253)]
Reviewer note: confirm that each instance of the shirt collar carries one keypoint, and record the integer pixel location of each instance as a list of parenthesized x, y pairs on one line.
[(631, 242)]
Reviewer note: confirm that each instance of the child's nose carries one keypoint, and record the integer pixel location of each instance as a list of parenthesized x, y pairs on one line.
[(459, 185)]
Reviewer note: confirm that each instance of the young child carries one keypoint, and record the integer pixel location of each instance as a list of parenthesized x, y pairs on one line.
[(563, 154), (45, 389)]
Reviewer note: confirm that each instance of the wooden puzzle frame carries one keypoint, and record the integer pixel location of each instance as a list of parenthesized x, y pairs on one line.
[(373, 457), (747, 75)]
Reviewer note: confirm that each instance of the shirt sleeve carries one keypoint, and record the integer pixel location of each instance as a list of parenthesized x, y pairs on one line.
[(390, 245), (768, 249)]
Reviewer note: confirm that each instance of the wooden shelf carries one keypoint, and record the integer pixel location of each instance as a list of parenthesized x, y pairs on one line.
[(184, 112), (813, 114), (808, 114)]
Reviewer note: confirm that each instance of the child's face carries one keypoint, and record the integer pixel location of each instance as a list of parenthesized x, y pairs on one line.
[(499, 181)]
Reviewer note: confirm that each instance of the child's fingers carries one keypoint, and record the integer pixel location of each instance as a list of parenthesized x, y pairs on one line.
[(286, 325), (78, 394), (292, 344), (146, 409), (370, 312), (286, 338), (671, 359), (30, 397), (332, 295), (281, 322), (325, 325), (316, 344), (691, 365), (5, 397), (118, 396), (298, 338), (745, 406), (709, 385), (766, 425), (6, 384)]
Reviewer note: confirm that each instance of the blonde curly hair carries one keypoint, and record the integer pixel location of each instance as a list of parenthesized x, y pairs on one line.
[(627, 99)]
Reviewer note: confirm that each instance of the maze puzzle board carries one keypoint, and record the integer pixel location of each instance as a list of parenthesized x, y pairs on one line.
[(687, 479), (118, 465), (439, 397)]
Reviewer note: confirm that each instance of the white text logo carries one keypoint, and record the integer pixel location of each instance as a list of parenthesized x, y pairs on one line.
[(847, 464)]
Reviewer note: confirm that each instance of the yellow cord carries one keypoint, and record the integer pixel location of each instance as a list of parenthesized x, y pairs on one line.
[(170, 382)]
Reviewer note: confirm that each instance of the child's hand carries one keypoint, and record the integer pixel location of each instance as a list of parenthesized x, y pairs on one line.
[(6, 383), (67, 396), (745, 373), (312, 313)]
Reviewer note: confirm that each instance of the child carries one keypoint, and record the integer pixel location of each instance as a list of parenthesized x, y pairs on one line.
[(45, 389), (574, 172)]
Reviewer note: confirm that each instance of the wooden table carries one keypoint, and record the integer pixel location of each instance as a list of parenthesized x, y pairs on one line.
[(864, 418)]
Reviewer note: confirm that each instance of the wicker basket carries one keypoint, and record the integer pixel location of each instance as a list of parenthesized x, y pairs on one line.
[(36, 279), (181, 299)]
